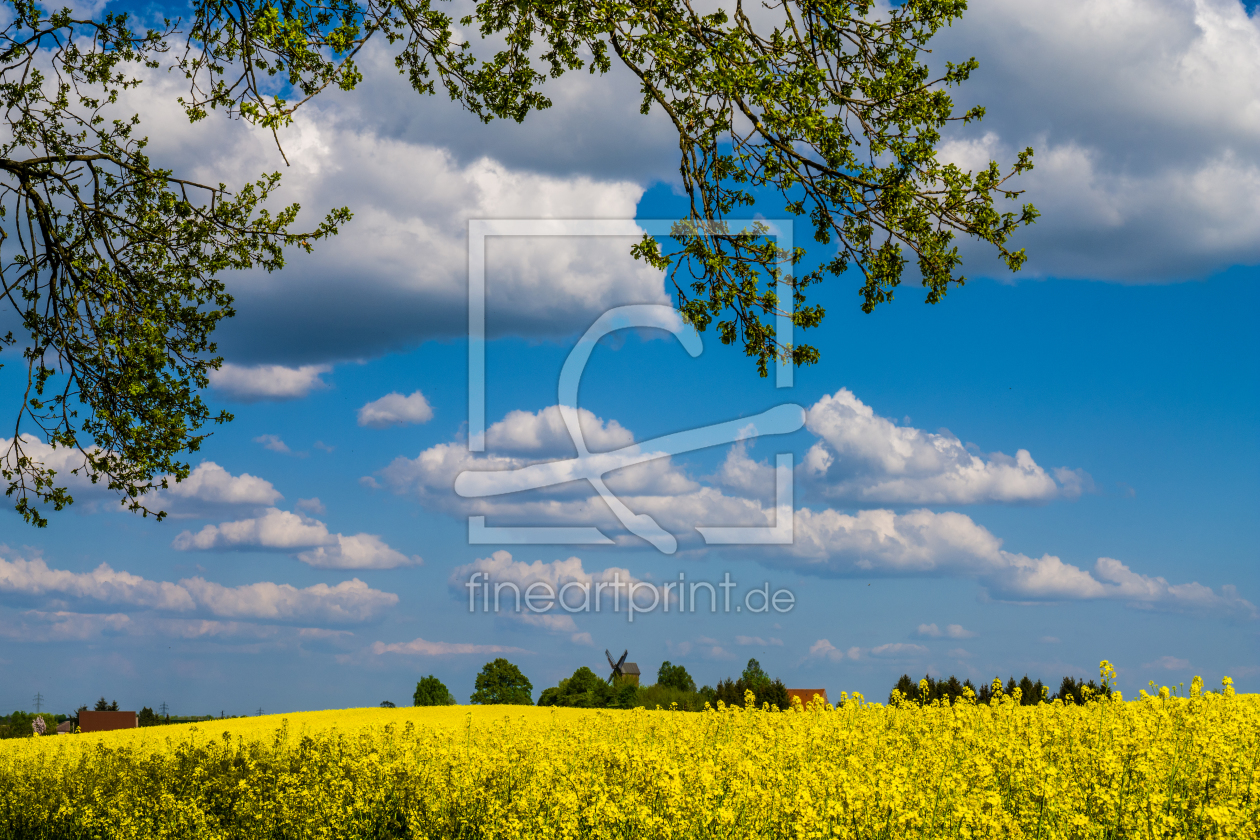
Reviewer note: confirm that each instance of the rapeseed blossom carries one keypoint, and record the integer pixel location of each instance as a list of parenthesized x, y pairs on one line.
[(1160, 766)]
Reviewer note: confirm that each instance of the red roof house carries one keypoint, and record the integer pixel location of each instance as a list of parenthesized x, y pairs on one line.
[(807, 694)]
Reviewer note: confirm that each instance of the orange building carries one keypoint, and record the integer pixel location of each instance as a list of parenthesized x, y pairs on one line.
[(807, 694)]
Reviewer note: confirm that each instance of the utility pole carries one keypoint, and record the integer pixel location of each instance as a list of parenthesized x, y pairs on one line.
[(162, 709), (260, 711), (38, 701)]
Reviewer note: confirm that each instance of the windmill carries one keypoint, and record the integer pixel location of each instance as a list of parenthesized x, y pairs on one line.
[(622, 671)]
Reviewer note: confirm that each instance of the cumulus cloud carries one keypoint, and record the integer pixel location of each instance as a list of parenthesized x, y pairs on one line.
[(366, 291), (824, 649), (63, 625), (273, 443), (1146, 121), (267, 382), (35, 578), (211, 484), (758, 641), (953, 631), (423, 647), (507, 576), (924, 543), (394, 409), (312, 505), (543, 434), (275, 529), (524, 439), (866, 458), (348, 601), (360, 551), (898, 461), (306, 538)]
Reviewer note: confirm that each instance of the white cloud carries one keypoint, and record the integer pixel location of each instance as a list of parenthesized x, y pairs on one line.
[(277, 529), (312, 506), (35, 578), (361, 551), (251, 637), (757, 641), (828, 542), (422, 647), (394, 409), (282, 530), (959, 653), (867, 458), (1146, 121), (344, 152), (1169, 663), (64, 626), (211, 483), (348, 601), (267, 382), (543, 434), (824, 649), (500, 568), (953, 631), (273, 443), (921, 542)]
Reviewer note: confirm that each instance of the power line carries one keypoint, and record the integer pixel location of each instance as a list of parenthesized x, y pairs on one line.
[(162, 708), (260, 711), (38, 701)]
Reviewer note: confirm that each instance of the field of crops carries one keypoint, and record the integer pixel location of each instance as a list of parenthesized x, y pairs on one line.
[(1158, 767)]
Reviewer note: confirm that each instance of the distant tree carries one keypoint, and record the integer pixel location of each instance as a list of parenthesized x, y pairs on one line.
[(431, 691), (584, 690), (754, 677), (386, 704), (101, 706), (929, 690), (769, 691), (148, 718), (1078, 691), (675, 676), (501, 682), (776, 695), (907, 687)]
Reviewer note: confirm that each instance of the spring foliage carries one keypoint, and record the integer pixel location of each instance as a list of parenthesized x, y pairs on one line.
[(1160, 766)]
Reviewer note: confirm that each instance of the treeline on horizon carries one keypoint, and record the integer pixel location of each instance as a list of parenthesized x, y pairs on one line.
[(502, 682), (928, 690), (21, 724)]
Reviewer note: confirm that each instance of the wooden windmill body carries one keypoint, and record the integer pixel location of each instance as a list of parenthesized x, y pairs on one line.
[(623, 672)]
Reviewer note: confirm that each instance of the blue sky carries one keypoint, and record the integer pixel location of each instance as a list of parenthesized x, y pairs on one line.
[(317, 558)]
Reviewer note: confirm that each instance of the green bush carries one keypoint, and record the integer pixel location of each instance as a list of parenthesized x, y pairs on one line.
[(431, 691)]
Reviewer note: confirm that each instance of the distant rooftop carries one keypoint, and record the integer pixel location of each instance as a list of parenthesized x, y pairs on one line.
[(807, 694), (630, 669)]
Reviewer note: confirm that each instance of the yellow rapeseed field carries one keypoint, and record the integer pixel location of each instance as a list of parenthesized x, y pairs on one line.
[(1160, 766)]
